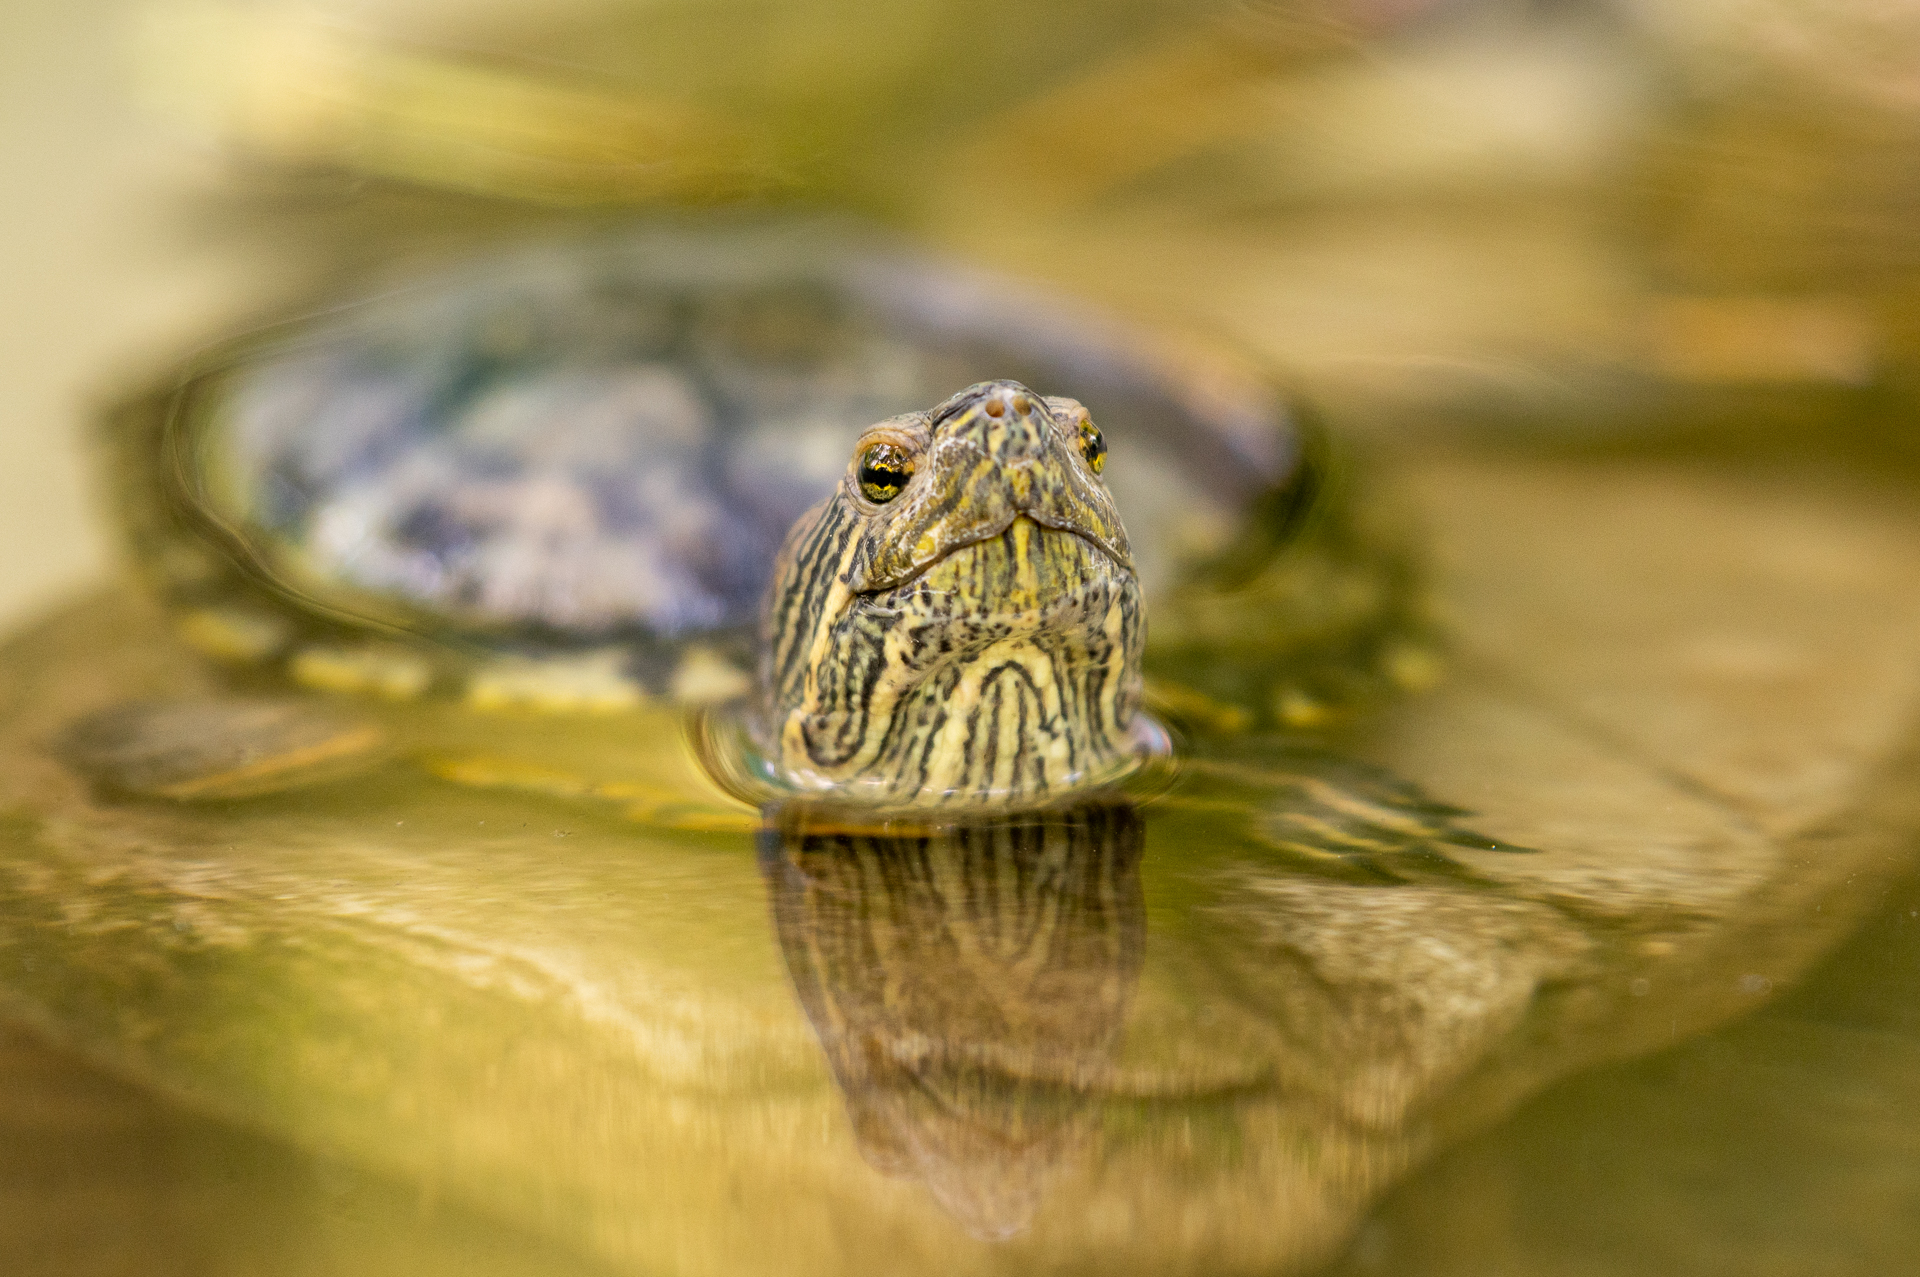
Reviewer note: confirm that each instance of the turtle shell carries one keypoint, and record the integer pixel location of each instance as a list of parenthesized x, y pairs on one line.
[(590, 450)]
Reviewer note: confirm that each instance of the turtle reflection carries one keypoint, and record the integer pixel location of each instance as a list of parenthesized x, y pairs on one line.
[(969, 985)]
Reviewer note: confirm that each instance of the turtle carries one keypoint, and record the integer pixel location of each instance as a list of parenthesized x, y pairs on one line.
[(930, 582), (859, 507)]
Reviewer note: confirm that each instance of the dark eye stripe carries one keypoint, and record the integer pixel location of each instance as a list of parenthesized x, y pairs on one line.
[(884, 471)]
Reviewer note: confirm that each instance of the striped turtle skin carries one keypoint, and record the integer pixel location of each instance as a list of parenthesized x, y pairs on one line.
[(974, 635)]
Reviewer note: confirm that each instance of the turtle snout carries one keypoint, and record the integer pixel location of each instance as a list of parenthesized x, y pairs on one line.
[(1005, 420)]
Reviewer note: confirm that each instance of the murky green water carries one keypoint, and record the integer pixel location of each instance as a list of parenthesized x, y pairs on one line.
[(1784, 1143)]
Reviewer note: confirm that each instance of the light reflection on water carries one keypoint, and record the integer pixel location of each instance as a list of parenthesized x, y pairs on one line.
[(1781, 1143), (969, 987)]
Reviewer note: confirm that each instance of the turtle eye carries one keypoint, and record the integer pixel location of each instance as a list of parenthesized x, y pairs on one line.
[(884, 471), (1093, 446)]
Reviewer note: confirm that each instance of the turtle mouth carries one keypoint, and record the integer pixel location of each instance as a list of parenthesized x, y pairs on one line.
[(1026, 548), (1027, 577)]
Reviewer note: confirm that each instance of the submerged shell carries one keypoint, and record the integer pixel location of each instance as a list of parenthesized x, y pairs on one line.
[(605, 440)]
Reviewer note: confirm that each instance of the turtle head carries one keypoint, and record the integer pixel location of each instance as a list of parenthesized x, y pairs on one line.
[(960, 623)]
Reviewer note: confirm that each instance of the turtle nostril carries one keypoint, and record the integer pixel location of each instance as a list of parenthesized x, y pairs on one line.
[(1022, 405), (996, 406)]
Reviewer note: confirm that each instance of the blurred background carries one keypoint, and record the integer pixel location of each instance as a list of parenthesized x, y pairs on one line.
[(1564, 215), (1586, 221)]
